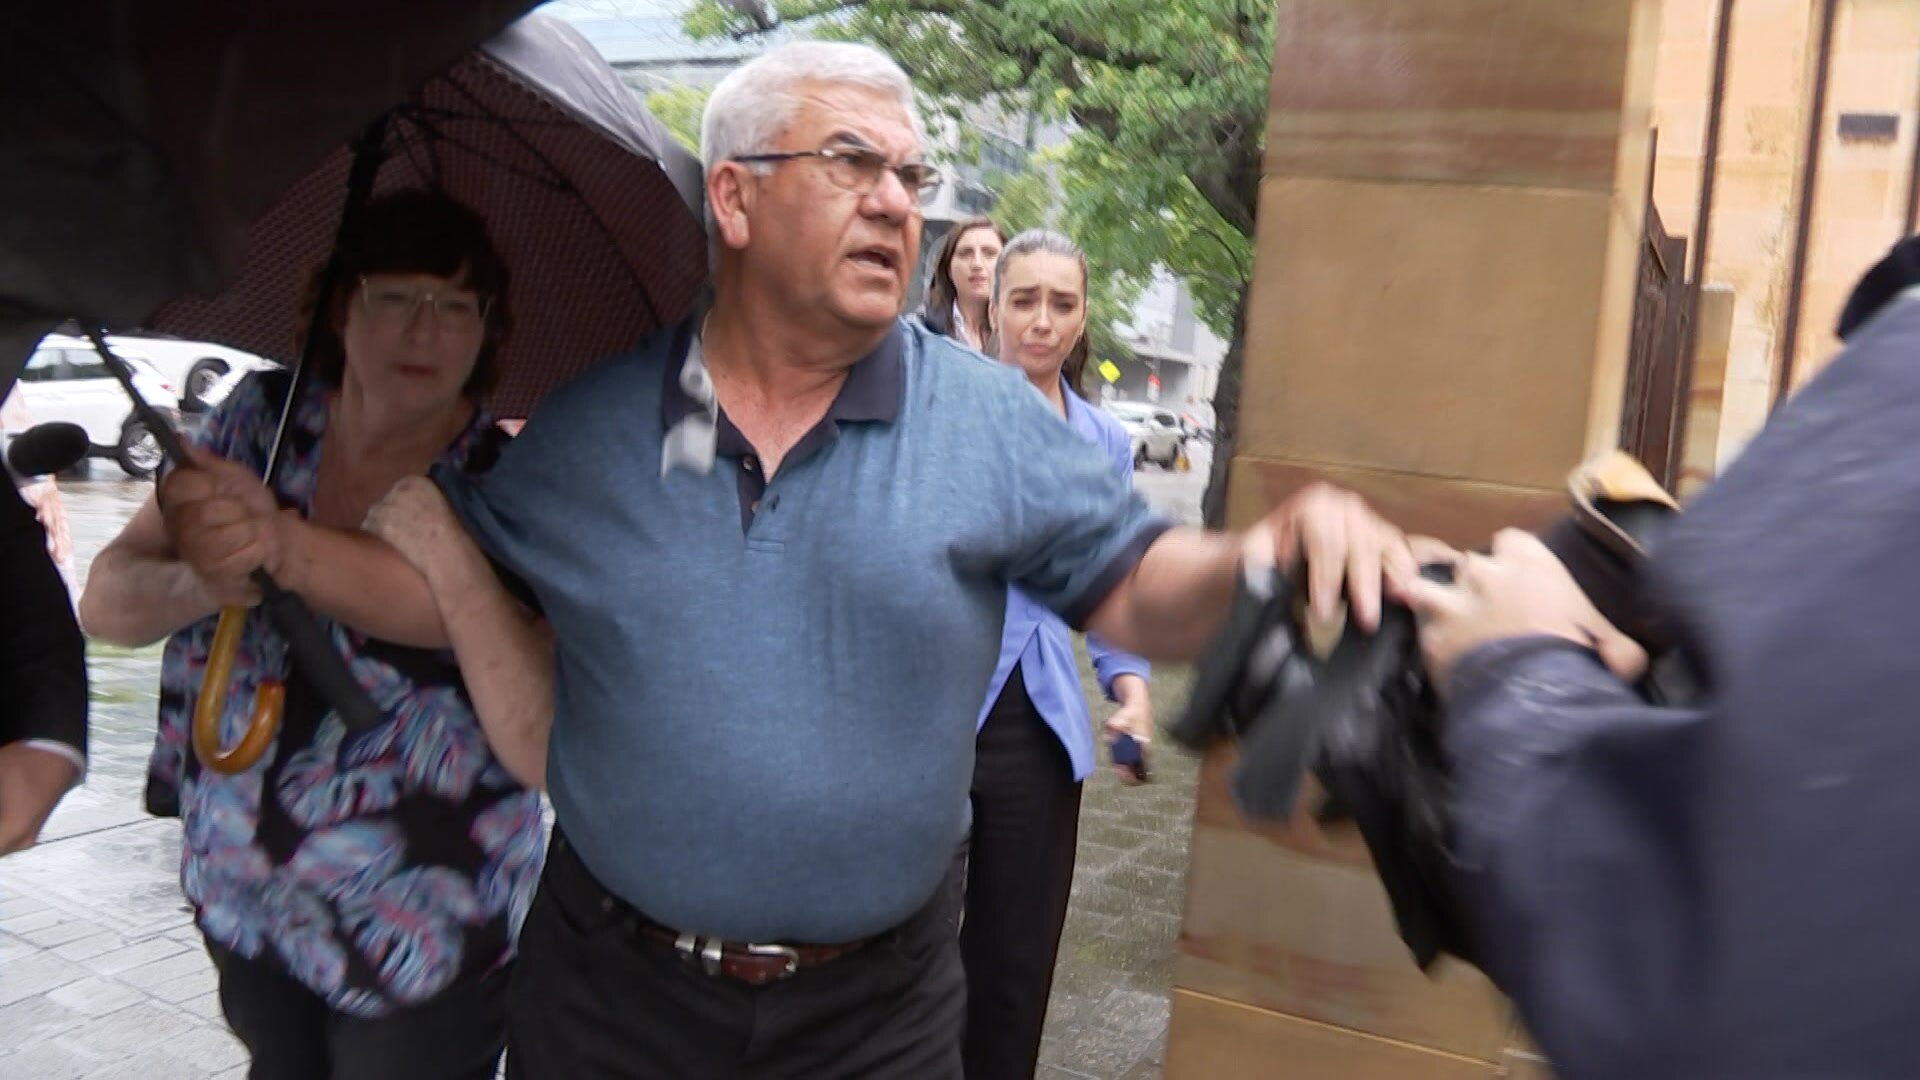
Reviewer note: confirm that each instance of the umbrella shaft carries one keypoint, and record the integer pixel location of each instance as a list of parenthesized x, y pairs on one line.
[(156, 421), (311, 646), (314, 654)]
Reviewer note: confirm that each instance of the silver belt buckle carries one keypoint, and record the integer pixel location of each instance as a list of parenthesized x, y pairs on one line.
[(691, 948), (792, 956)]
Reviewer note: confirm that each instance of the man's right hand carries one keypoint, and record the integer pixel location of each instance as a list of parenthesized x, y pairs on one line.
[(1347, 550), (224, 523)]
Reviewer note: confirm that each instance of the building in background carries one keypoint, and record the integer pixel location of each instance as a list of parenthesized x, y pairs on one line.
[(652, 52), (1176, 359), (991, 145), (1816, 174)]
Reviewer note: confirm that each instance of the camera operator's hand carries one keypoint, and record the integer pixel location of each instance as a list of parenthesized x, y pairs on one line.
[(1521, 590), (1427, 551)]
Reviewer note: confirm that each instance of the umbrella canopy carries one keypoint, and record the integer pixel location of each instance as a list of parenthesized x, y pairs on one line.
[(593, 204), (140, 141), (120, 190)]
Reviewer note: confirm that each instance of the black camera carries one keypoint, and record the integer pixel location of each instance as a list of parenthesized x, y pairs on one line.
[(1363, 719)]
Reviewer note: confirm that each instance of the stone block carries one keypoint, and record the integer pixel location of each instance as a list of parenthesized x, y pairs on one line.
[(36, 974), (135, 955), (1468, 316), (1411, 90), (149, 975)]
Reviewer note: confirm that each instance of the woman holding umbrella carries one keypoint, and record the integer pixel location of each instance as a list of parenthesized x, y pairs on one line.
[(360, 895)]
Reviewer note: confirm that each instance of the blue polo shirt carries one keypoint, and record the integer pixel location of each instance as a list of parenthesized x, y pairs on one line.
[(765, 690)]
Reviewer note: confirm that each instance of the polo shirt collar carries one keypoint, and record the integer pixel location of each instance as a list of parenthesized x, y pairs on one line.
[(875, 386)]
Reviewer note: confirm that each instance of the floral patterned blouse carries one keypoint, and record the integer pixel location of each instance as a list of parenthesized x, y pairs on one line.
[(378, 879)]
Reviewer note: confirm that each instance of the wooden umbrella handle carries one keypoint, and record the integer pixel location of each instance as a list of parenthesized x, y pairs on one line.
[(268, 704)]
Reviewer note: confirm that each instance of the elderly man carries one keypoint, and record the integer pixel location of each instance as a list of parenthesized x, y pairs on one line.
[(773, 546)]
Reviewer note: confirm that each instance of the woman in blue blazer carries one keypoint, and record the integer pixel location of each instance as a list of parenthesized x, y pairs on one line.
[(1036, 742)]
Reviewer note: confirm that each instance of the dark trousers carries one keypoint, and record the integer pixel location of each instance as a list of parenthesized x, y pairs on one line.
[(292, 1034), (593, 998), (1026, 821)]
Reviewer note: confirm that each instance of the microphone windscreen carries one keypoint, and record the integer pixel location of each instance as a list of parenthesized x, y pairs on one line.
[(44, 449)]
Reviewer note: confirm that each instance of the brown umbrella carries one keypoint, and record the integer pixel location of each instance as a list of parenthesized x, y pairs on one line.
[(592, 203), (139, 141)]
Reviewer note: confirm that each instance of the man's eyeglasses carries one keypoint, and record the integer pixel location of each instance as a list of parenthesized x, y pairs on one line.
[(396, 305), (859, 170)]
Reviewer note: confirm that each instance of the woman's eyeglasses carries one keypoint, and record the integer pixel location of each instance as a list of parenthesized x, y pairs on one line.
[(396, 305)]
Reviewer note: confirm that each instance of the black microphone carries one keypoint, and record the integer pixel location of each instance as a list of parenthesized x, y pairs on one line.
[(44, 449)]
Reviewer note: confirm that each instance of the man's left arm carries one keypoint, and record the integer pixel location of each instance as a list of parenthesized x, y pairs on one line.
[(1173, 601), (43, 678), (1176, 597), (1086, 545)]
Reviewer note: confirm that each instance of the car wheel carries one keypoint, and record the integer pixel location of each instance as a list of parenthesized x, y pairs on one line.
[(1139, 454), (139, 452), (201, 379), (1172, 459)]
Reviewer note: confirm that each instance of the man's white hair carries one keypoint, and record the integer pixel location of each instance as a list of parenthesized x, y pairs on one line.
[(756, 102)]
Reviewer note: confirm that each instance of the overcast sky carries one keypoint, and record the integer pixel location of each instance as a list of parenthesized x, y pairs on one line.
[(579, 10)]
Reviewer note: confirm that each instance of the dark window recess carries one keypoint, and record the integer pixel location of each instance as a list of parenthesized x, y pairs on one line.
[(971, 200), (1870, 127)]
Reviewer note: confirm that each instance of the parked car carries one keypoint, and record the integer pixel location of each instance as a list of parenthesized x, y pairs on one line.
[(194, 367), (1155, 432), (212, 396), (1193, 430), (66, 380)]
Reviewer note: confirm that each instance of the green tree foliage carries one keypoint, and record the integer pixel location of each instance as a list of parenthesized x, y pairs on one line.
[(680, 109)]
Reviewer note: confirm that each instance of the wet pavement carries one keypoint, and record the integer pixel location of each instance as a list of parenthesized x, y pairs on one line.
[(102, 974)]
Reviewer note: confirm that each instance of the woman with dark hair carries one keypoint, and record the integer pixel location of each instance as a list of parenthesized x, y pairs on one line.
[(1036, 744), (359, 897), (962, 282)]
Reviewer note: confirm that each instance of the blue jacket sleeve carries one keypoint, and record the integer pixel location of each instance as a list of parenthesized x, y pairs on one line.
[(1110, 663), (1576, 855)]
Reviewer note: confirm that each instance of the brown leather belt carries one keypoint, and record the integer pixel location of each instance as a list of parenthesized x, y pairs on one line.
[(751, 963)]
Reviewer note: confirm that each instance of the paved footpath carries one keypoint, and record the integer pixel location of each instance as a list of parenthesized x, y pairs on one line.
[(112, 986)]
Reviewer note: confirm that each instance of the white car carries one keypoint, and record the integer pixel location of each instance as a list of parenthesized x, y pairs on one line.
[(66, 380), (1155, 432), (194, 367), (212, 396)]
